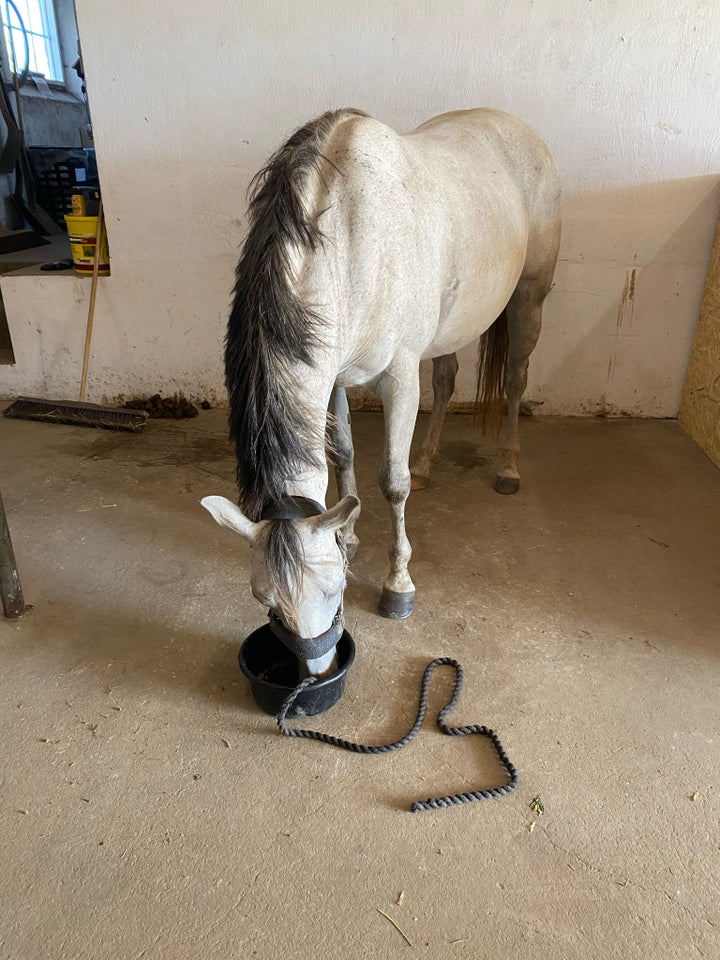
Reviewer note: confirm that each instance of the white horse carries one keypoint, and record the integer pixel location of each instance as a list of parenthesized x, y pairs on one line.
[(368, 252)]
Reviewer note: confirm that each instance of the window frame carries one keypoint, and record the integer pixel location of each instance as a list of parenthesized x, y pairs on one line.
[(50, 37)]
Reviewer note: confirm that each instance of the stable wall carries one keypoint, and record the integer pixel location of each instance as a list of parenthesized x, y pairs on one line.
[(186, 106)]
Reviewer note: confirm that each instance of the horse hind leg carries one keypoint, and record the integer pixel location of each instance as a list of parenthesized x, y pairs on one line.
[(524, 319), (443, 380), (524, 312), (341, 454)]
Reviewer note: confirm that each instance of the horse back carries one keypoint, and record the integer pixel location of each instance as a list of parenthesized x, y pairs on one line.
[(428, 232)]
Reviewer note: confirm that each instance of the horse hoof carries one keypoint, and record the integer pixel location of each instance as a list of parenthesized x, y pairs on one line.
[(396, 606), (418, 482), (507, 485)]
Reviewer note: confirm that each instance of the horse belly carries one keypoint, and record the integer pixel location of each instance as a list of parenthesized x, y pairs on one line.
[(471, 304), (481, 250)]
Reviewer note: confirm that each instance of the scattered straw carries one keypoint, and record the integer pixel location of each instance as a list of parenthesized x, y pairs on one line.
[(399, 930)]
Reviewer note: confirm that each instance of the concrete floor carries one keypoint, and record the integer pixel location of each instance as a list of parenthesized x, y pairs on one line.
[(148, 810)]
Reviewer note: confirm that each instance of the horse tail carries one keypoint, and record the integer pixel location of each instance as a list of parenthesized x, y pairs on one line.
[(492, 360)]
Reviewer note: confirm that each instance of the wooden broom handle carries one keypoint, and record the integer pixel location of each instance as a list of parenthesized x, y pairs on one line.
[(91, 308)]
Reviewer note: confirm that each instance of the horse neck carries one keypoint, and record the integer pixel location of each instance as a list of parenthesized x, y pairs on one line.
[(315, 386), (311, 483), (313, 383)]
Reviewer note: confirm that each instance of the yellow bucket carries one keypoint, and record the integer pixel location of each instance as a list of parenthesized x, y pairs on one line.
[(82, 234)]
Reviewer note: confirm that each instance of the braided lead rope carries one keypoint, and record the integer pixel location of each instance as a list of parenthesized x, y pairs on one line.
[(432, 803)]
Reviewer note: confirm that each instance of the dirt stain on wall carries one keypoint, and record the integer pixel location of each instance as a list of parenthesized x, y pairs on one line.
[(626, 309), (627, 300)]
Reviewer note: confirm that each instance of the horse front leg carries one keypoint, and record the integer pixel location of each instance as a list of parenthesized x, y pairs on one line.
[(399, 389), (342, 458), (443, 380)]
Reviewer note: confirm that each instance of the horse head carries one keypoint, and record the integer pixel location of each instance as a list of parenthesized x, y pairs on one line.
[(298, 572)]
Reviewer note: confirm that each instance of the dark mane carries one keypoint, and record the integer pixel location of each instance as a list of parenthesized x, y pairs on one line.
[(270, 328)]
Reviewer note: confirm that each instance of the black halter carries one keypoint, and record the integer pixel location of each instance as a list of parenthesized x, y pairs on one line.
[(291, 508), (307, 648)]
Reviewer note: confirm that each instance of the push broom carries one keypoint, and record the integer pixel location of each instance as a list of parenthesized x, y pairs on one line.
[(78, 412)]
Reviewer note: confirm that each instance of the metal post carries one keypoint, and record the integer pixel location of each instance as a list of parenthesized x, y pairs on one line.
[(10, 589)]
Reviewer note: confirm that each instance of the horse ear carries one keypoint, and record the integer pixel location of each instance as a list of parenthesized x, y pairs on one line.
[(228, 514), (343, 513)]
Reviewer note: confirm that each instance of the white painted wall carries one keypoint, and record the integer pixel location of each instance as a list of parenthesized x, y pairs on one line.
[(188, 100)]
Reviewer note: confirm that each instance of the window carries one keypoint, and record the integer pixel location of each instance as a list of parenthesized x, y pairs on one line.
[(43, 49)]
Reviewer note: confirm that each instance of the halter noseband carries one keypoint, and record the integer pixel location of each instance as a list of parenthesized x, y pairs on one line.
[(307, 648)]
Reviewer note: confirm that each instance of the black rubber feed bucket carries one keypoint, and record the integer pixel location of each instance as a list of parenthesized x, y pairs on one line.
[(273, 674)]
